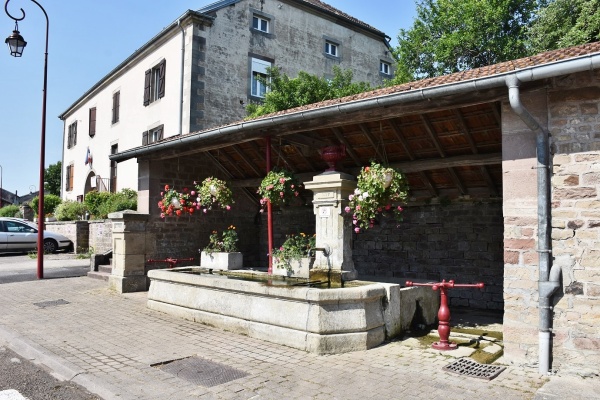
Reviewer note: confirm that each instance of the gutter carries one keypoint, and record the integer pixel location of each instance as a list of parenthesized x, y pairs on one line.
[(252, 128), (180, 127)]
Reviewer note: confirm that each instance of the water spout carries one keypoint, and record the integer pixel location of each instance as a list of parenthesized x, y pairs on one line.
[(326, 251)]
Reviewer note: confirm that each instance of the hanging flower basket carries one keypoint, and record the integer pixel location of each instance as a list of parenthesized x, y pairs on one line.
[(377, 189), (174, 203), (279, 187), (213, 193)]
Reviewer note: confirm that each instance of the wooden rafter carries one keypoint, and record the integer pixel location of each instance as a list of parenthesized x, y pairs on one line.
[(218, 164), (247, 160), (340, 136), (432, 135), (489, 181), (465, 131), (400, 137), (428, 183), (372, 140), (457, 181)]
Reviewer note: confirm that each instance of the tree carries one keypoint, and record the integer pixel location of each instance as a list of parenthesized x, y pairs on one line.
[(285, 92), (450, 36), (52, 176), (565, 23)]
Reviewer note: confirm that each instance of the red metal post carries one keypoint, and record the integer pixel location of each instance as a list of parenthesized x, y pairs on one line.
[(269, 211), (444, 311)]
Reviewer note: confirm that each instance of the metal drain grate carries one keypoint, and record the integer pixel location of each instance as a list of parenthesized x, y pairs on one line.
[(51, 303), (468, 367), (201, 372)]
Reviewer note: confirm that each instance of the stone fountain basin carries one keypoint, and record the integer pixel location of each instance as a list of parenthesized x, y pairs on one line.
[(322, 321)]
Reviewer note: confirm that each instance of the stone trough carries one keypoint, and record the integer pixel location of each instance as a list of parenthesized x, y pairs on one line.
[(358, 316)]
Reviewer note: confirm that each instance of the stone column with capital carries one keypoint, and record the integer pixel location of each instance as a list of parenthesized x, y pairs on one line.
[(334, 232)]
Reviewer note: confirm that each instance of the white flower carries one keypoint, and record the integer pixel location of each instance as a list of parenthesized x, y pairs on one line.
[(365, 195), (357, 191)]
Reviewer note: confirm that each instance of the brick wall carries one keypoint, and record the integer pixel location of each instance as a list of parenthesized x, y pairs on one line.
[(459, 241), (77, 231)]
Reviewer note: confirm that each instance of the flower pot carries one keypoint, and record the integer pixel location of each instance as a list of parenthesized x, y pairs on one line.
[(298, 268), (221, 261)]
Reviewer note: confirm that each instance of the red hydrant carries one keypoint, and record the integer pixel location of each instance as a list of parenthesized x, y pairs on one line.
[(444, 311), (172, 262)]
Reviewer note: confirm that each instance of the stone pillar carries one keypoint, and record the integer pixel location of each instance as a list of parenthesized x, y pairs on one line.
[(334, 232), (129, 251)]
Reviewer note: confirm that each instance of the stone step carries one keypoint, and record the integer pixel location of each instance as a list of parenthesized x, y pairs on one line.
[(105, 268), (99, 275)]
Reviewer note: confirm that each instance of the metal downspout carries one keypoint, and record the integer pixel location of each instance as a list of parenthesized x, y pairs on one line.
[(180, 130), (548, 276)]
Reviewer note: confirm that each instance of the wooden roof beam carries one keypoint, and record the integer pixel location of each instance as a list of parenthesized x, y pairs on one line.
[(340, 136), (400, 137), (432, 135), (457, 181), (246, 192), (465, 130), (373, 142), (247, 160), (489, 181)]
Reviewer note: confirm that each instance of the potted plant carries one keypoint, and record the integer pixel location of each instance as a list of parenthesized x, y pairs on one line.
[(175, 203), (292, 259), (222, 251), (278, 187), (378, 187), (212, 193)]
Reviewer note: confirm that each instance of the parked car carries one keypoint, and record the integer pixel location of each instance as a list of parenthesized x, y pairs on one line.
[(19, 235)]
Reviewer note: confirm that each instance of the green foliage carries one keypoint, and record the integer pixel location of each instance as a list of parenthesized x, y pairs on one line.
[(565, 23), (52, 176), (376, 189), (70, 210), (100, 204), (10, 211), (227, 243), (126, 199), (279, 187), (449, 36), (51, 201), (285, 92), (294, 248)]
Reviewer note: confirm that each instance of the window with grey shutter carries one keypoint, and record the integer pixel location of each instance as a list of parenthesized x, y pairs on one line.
[(154, 82), (162, 69), (115, 110), (92, 131)]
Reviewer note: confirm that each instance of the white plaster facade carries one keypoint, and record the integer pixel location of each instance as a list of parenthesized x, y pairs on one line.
[(210, 79)]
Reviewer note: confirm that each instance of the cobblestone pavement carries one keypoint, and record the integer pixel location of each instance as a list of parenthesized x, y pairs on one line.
[(115, 347)]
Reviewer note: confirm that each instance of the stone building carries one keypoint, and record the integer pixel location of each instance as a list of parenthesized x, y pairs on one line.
[(200, 72), (503, 166)]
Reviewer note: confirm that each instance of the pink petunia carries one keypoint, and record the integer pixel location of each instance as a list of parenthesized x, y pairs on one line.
[(162, 215), (357, 229), (281, 180), (399, 208), (281, 194), (351, 197), (193, 192), (204, 211), (347, 209), (228, 208), (388, 206), (355, 221), (358, 207)]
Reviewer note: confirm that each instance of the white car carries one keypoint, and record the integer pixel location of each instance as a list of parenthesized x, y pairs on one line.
[(19, 235)]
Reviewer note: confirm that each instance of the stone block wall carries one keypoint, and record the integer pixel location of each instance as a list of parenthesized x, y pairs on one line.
[(569, 107), (575, 138), (460, 241), (100, 232), (77, 231)]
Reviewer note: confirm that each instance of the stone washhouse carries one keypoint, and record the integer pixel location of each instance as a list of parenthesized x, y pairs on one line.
[(503, 167)]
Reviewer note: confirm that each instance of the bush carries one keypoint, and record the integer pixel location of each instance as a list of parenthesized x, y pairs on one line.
[(70, 210), (108, 203), (11, 211), (51, 201), (93, 201)]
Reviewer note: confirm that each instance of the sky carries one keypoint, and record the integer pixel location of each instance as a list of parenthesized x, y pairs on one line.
[(86, 40)]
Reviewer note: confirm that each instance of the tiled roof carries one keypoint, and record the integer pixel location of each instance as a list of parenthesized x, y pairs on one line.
[(483, 72), (333, 10)]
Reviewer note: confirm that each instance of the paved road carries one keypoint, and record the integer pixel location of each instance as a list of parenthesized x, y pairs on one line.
[(32, 381), (22, 268)]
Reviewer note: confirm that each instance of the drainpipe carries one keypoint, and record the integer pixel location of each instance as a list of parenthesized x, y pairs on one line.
[(548, 275), (180, 130)]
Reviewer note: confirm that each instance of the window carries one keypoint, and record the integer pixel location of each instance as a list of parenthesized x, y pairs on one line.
[(331, 48), (258, 86), (154, 83), (115, 109), (384, 68), (260, 24), (72, 135), (69, 178), (152, 135), (92, 132), (114, 149)]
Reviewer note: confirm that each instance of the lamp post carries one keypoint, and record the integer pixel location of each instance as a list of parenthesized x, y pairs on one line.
[(16, 44)]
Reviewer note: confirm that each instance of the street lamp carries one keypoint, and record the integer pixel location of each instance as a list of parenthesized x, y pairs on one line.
[(16, 44)]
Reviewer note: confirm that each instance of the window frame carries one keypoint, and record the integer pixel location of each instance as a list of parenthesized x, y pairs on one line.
[(153, 135), (260, 20), (70, 173), (388, 66), (154, 82), (72, 135), (115, 107), (92, 122), (331, 49), (258, 67)]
